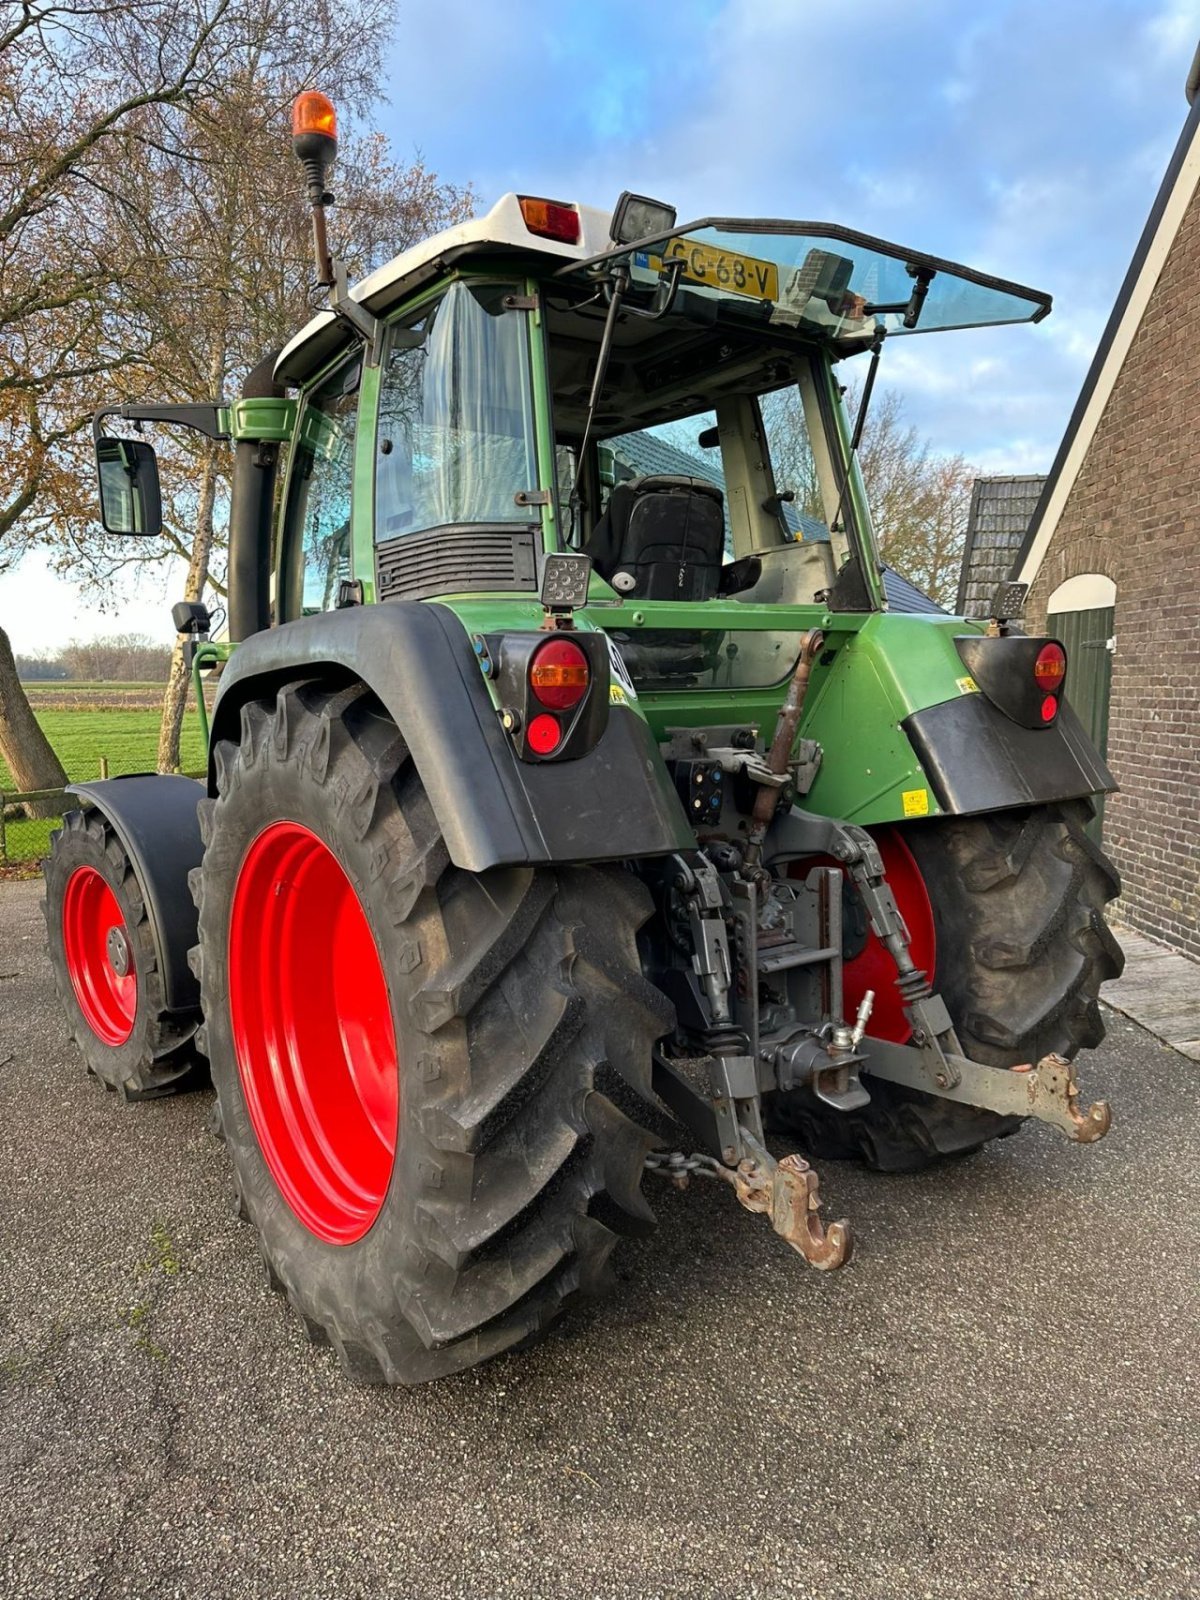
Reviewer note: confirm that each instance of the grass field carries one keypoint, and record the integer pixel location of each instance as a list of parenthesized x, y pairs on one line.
[(128, 738), (85, 722)]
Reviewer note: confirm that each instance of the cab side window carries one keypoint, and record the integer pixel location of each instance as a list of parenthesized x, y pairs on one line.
[(316, 556), (456, 428)]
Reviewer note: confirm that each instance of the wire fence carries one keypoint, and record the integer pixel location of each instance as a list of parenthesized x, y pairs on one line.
[(25, 837), (28, 819)]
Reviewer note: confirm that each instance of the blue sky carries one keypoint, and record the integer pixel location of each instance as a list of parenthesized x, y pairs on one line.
[(1022, 138)]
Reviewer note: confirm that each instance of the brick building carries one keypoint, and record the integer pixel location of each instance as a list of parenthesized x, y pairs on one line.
[(1113, 556)]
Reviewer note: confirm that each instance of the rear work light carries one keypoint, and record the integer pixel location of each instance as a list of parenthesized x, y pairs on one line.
[(550, 219), (559, 675), (1050, 668)]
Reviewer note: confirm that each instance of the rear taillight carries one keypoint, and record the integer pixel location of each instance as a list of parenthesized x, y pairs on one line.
[(543, 734), (550, 219), (1050, 669), (551, 689), (559, 675), (1021, 676)]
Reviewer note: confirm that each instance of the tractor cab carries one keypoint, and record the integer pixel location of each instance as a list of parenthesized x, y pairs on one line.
[(667, 407)]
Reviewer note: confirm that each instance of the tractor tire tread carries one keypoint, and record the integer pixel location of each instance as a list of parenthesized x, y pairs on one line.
[(1023, 948), (511, 1153), (161, 1056)]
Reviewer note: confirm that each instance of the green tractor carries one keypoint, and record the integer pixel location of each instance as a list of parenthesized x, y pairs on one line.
[(579, 803)]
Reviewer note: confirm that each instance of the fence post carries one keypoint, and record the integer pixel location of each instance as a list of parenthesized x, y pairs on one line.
[(3, 834), (104, 766)]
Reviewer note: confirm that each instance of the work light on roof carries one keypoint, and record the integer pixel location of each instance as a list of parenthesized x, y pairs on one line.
[(635, 216)]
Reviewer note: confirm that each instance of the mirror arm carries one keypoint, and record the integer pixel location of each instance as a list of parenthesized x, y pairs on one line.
[(910, 309), (368, 327), (203, 418)]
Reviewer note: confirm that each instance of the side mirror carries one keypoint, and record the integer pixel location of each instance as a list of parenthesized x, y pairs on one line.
[(130, 499)]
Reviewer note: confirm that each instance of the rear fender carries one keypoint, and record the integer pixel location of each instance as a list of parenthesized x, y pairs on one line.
[(154, 816), (612, 803), (978, 759), (907, 732)]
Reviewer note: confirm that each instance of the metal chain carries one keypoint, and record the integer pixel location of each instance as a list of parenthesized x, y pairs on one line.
[(678, 1167)]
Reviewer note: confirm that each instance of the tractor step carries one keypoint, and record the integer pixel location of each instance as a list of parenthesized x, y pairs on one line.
[(784, 957)]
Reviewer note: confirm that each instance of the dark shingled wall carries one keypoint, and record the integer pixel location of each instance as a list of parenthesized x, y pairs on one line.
[(999, 515)]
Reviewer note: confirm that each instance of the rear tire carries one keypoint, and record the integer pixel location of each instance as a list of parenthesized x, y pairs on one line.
[(1022, 949), (513, 994), (95, 912)]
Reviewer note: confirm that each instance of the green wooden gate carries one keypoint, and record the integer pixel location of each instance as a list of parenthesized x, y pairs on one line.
[(1086, 636)]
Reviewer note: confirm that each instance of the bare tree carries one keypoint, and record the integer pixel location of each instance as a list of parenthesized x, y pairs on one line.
[(64, 107), (116, 658), (158, 181), (919, 500)]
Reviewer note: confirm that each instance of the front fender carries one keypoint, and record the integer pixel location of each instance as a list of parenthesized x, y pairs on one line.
[(611, 804), (154, 816)]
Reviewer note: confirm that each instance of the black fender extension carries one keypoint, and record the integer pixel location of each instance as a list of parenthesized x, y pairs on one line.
[(154, 816)]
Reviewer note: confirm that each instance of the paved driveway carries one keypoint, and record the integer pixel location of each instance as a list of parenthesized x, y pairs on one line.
[(998, 1398)]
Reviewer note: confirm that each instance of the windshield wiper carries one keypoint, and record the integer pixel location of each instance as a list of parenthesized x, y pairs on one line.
[(856, 436)]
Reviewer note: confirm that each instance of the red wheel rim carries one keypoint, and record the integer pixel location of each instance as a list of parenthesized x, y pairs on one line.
[(873, 968), (99, 956), (313, 1033)]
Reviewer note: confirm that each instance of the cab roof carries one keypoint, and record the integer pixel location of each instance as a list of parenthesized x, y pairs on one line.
[(502, 229), (829, 278)]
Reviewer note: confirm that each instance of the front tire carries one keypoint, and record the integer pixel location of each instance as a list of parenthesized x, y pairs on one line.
[(105, 964), (469, 1020), (1017, 901)]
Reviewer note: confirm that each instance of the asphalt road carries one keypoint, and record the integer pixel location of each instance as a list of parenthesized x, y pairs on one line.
[(999, 1398)]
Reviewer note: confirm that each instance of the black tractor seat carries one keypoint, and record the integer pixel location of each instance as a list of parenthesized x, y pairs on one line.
[(661, 538)]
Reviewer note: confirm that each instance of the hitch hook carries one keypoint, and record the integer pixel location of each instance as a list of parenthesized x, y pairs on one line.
[(789, 1193), (1054, 1096)]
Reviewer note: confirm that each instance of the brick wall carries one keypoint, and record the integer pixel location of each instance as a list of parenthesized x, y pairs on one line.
[(1134, 515)]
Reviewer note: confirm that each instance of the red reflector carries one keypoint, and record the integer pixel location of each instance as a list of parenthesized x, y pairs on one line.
[(1049, 708), (559, 674), (1050, 668), (550, 219), (543, 735)]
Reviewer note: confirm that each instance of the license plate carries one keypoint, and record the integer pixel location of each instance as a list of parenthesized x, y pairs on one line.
[(725, 270)]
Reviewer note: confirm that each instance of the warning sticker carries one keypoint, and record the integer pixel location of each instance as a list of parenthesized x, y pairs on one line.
[(967, 685), (620, 676), (916, 802)]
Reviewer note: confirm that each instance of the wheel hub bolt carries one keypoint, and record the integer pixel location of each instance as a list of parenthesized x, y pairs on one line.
[(118, 951)]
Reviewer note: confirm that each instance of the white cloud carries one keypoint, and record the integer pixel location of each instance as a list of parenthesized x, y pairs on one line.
[(1174, 32), (41, 611)]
